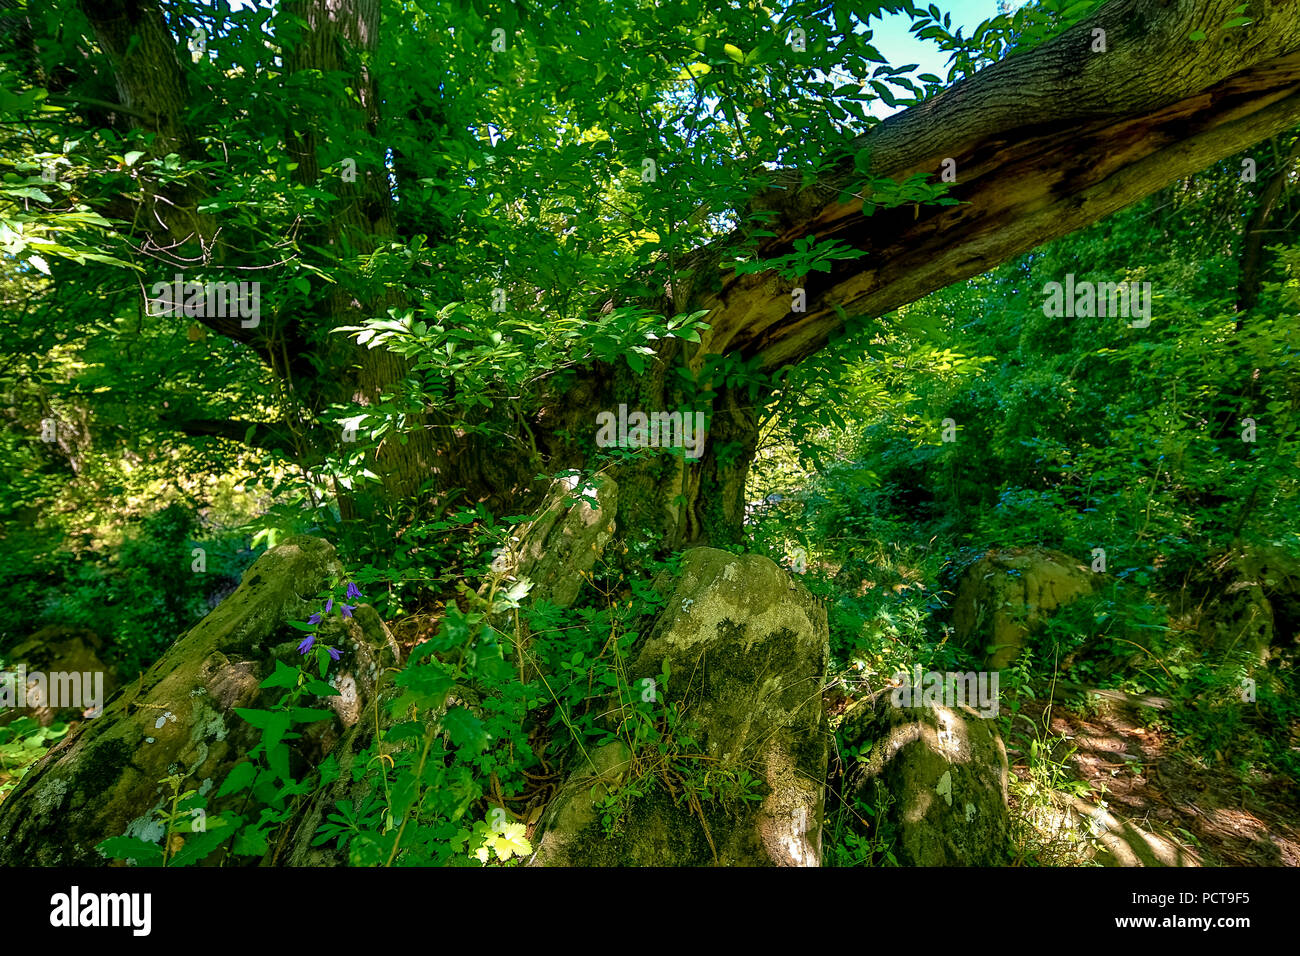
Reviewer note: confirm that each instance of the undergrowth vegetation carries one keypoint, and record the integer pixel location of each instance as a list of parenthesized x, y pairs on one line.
[(1067, 441)]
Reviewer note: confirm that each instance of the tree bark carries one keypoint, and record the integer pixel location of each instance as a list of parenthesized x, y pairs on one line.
[(1251, 276), (102, 780), (1044, 144)]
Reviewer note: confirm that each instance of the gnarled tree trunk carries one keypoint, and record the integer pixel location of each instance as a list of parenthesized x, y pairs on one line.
[(103, 780)]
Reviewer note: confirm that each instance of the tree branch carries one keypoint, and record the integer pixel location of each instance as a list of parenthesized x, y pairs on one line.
[(1044, 143), (256, 434), (107, 106)]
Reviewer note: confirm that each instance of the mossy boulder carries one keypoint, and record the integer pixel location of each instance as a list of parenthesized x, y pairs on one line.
[(937, 779), (746, 647), (564, 540), (1247, 600), (60, 650), (1005, 595)]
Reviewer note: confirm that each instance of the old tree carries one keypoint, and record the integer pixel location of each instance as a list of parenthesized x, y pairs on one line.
[(476, 226)]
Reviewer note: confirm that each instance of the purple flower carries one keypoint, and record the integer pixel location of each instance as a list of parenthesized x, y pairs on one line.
[(314, 619), (346, 609), (329, 605), (354, 591), (335, 653), (305, 646)]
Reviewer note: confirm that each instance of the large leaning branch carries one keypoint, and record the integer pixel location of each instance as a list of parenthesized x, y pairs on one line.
[(1044, 143)]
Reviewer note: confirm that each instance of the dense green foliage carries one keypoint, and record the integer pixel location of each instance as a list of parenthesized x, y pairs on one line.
[(145, 461)]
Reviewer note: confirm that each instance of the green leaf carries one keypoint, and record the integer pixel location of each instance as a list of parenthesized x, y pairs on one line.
[(261, 719), (465, 730), (884, 92), (329, 770), (273, 724), (200, 845), (309, 715), (27, 192), (277, 758), (320, 688), (406, 730), (250, 842), (282, 676), (131, 848), (240, 777)]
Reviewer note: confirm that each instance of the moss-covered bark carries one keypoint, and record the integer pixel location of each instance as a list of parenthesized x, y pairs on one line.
[(103, 780)]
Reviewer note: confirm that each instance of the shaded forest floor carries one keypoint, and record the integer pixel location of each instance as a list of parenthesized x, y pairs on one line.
[(1173, 809)]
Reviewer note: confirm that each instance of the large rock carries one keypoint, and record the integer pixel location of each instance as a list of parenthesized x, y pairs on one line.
[(59, 650), (1246, 600), (103, 780), (1005, 595), (563, 541), (747, 649), (937, 778), (1278, 574)]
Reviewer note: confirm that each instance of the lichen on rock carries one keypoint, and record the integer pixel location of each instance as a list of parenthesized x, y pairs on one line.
[(747, 648), (937, 777)]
